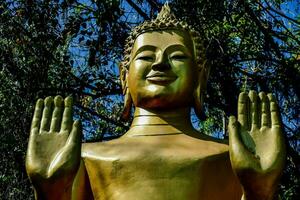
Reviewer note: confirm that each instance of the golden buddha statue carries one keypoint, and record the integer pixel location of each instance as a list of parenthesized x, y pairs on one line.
[(161, 157)]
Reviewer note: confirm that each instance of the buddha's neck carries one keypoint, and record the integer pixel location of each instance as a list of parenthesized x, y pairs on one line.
[(157, 122)]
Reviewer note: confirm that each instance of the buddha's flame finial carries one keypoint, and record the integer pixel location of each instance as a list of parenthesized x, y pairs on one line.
[(165, 13)]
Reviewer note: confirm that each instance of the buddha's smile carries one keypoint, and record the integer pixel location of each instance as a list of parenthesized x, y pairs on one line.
[(158, 77)]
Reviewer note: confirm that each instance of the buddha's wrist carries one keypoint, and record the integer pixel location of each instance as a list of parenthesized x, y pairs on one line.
[(59, 190), (258, 195)]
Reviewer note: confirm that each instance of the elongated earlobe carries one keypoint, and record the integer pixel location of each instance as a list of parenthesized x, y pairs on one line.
[(127, 105), (198, 102), (127, 97), (200, 90)]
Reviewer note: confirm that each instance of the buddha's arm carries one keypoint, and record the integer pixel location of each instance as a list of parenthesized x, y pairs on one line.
[(81, 189), (256, 145)]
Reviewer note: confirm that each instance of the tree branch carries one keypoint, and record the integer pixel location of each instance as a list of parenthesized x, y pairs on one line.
[(278, 12), (285, 28), (153, 4), (138, 10), (261, 27), (107, 119)]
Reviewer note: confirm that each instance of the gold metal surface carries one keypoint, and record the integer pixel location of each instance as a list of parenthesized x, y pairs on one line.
[(161, 157)]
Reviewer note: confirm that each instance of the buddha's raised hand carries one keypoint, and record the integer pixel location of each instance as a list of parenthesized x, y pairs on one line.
[(257, 148), (54, 147)]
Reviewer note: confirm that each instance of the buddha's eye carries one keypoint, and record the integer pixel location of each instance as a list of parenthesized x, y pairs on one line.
[(145, 58), (179, 57)]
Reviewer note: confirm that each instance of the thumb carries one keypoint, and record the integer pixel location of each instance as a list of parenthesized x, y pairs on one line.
[(76, 132), (233, 128), (239, 154), (236, 145), (31, 144)]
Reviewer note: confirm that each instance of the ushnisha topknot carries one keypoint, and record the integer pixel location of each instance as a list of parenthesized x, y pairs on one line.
[(165, 20)]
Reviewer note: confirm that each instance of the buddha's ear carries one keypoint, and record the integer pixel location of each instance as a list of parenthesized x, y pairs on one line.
[(127, 97), (123, 73), (200, 89)]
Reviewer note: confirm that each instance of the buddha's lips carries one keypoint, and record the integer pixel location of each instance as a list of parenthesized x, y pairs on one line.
[(161, 77)]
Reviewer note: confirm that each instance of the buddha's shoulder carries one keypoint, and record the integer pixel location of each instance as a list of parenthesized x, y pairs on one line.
[(179, 144), (100, 148)]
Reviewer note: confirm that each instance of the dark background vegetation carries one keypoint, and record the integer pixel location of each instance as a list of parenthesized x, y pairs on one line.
[(73, 47)]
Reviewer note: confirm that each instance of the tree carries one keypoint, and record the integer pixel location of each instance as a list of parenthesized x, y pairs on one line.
[(73, 47)]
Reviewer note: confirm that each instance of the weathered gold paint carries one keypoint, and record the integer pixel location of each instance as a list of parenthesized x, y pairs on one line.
[(161, 157)]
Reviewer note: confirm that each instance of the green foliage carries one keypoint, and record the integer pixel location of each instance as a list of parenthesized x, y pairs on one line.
[(214, 123)]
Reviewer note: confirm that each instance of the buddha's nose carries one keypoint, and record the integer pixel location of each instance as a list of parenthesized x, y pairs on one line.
[(161, 63)]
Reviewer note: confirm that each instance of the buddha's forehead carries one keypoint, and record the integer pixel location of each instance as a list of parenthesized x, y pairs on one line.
[(163, 39)]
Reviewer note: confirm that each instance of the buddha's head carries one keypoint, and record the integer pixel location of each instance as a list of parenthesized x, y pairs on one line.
[(164, 65)]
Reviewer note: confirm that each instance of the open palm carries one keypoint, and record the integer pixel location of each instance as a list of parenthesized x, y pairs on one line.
[(53, 153), (257, 148)]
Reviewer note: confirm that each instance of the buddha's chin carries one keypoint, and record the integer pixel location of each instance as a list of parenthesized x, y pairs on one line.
[(163, 100)]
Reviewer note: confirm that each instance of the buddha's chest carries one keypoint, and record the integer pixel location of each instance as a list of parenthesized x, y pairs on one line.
[(163, 173), (148, 165)]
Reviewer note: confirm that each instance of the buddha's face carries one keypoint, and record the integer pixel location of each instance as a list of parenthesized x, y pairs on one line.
[(162, 70)]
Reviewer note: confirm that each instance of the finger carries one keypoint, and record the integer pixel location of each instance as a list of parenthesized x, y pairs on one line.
[(67, 119), (36, 120), (57, 114), (253, 109), (75, 135), (47, 114), (275, 117), (31, 146), (33, 133), (265, 110), (243, 110)]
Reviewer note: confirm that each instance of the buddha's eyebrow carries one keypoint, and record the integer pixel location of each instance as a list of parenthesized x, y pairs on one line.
[(172, 47), (179, 47), (145, 48)]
